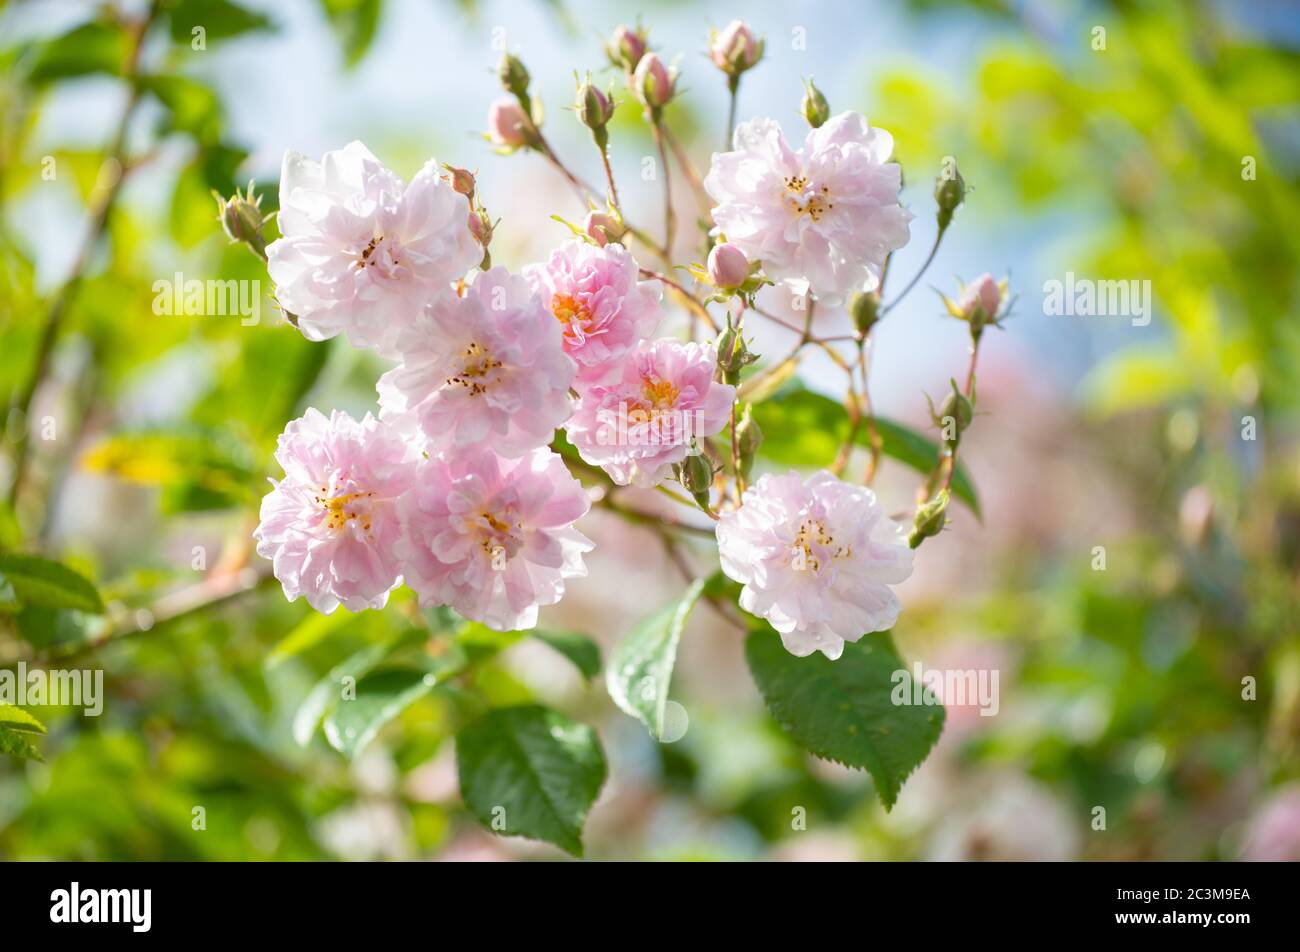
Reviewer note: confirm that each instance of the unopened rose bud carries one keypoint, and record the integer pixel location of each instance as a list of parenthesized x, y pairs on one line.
[(507, 125), (513, 75), (242, 219), (814, 107), (748, 439), (929, 519), (953, 416), (983, 293), (734, 49), (481, 227), (626, 47), (949, 193), (697, 477), (734, 355), (462, 180), (653, 82), (728, 267), (602, 228), (865, 308), (594, 108)]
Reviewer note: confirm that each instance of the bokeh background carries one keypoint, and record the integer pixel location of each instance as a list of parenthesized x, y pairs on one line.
[(1172, 445)]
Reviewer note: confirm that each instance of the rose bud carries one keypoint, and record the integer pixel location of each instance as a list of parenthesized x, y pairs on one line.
[(983, 292), (814, 107), (507, 124), (626, 48), (602, 228), (462, 180), (653, 82), (734, 49), (594, 108), (728, 267)]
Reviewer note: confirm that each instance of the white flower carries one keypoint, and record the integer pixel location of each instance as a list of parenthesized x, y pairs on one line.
[(827, 214), (362, 251), (816, 559)]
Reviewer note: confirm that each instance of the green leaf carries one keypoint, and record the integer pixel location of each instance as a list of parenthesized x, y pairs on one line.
[(16, 744), (843, 710), (97, 47), (8, 597), (16, 719), (38, 581), (220, 19), (328, 692), (803, 428), (382, 696), (579, 649), (355, 23), (641, 668), (529, 771)]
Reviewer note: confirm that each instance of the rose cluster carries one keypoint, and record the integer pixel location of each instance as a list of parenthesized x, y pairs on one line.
[(453, 487)]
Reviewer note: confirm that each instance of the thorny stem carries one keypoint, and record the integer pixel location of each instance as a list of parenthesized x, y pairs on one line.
[(116, 162)]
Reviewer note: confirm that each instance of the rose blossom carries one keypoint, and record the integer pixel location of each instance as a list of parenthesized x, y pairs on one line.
[(816, 558), (329, 527), (493, 538), (361, 251), (640, 420), (595, 294), (827, 214), (488, 367)]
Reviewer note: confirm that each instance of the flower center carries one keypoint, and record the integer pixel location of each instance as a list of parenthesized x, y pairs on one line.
[(568, 310), (808, 199), (378, 255), (476, 364), (812, 544), (662, 394), (499, 540), (341, 510)]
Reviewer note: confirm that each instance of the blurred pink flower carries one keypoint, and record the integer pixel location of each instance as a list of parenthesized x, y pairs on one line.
[(361, 252), (1274, 832), (982, 292), (595, 294), (642, 418), (827, 214), (507, 124), (491, 537), (330, 526), (487, 368), (816, 558)]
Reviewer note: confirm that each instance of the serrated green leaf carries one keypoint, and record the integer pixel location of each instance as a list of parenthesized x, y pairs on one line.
[(529, 771), (16, 719), (382, 696), (843, 710), (38, 581), (581, 650), (641, 667), (16, 744), (803, 428)]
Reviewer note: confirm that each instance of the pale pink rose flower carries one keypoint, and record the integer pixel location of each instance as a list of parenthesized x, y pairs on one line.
[(827, 214), (642, 418), (817, 558), (361, 251), (487, 368), (596, 295), (330, 525), (492, 537)]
